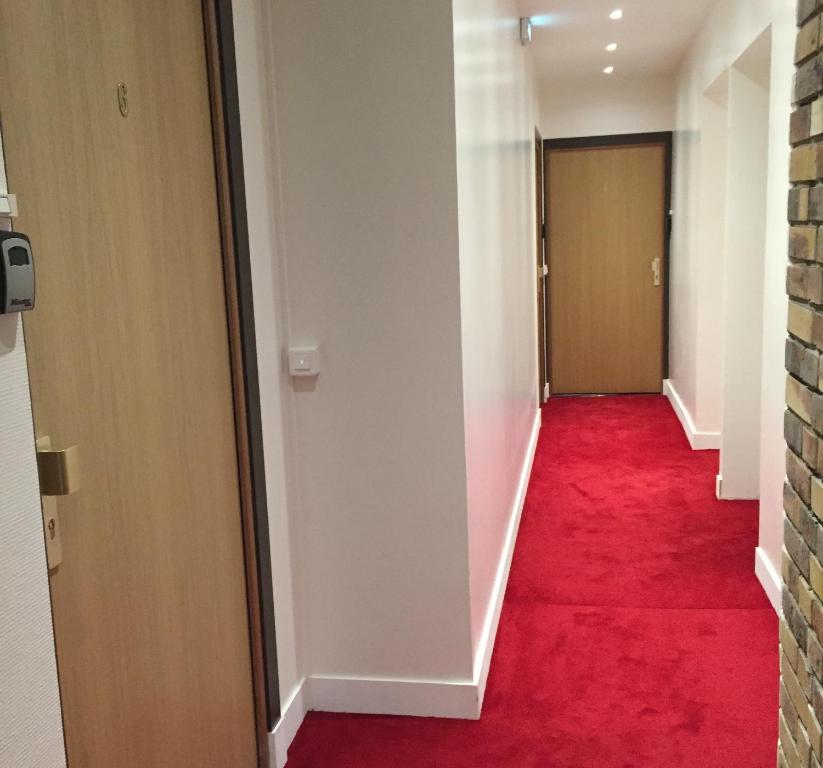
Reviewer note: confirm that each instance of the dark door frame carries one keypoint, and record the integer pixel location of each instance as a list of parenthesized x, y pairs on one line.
[(540, 243), (228, 149), (666, 138)]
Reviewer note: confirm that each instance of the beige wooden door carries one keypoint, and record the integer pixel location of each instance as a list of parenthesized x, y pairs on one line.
[(606, 220), (129, 360)]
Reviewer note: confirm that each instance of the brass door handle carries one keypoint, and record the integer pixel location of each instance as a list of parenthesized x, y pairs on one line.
[(59, 470)]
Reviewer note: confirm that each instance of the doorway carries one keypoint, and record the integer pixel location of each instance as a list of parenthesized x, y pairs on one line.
[(607, 216), (140, 362), (540, 217)]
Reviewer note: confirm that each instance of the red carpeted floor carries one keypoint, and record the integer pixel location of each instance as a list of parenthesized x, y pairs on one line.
[(634, 633)]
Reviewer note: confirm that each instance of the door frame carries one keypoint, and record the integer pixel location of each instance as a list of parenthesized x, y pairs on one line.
[(664, 138), (231, 194), (542, 327)]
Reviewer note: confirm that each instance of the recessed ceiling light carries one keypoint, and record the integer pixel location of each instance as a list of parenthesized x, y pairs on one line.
[(608, 70), (611, 47), (616, 14)]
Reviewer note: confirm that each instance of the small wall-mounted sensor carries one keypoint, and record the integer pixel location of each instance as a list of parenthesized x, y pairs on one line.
[(16, 273), (525, 31), (304, 361)]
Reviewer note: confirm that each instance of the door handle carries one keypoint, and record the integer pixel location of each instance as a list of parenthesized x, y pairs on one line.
[(59, 476), (59, 470), (656, 271)]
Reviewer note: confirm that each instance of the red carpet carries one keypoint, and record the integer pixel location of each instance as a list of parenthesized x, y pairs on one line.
[(634, 632)]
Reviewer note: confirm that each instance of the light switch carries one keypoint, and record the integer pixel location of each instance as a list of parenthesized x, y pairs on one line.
[(304, 361)]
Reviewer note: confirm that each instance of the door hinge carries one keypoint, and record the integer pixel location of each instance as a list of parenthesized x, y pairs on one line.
[(547, 391)]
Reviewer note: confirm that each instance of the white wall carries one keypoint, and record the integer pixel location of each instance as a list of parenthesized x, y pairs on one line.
[(31, 728), (695, 311), (775, 303), (606, 106), (747, 169), (496, 119), (370, 243)]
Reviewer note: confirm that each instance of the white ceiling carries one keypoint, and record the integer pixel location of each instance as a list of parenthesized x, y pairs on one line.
[(570, 36)]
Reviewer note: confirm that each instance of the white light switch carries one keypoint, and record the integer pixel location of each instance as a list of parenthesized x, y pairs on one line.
[(304, 361)]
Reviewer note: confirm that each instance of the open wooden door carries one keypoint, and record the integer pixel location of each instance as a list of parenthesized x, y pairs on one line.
[(107, 126)]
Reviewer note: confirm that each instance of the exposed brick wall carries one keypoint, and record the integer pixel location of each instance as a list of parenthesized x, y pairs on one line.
[(801, 629)]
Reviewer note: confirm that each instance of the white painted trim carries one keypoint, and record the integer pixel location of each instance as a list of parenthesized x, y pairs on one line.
[(459, 699), (485, 646), (411, 698), (294, 711), (769, 578), (699, 441)]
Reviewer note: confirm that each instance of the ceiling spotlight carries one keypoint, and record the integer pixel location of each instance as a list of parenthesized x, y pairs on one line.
[(616, 14), (608, 70), (611, 47), (525, 31)]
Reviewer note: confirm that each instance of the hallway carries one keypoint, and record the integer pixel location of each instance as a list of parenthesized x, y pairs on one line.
[(634, 632)]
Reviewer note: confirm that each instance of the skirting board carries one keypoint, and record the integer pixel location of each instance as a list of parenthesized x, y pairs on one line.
[(485, 646), (769, 578), (417, 698), (699, 441), (284, 732)]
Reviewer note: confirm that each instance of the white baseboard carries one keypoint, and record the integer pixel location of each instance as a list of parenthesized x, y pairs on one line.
[(769, 578), (485, 646), (293, 713), (411, 698), (699, 441), (459, 699)]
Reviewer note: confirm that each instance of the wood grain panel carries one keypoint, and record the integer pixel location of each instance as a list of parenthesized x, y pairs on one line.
[(129, 359), (606, 218)]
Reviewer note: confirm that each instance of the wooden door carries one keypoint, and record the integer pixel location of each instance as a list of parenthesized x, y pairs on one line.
[(129, 360), (542, 377), (606, 221)]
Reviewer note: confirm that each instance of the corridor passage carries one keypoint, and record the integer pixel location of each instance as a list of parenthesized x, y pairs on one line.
[(634, 632)]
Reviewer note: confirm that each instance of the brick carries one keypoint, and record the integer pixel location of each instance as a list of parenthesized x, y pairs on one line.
[(804, 712), (804, 600), (817, 498), (801, 323), (799, 398), (816, 127), (800, 127), (804, 281), (799, 204), (801, 740), (794, 356), (814, 653), (810, 449), (808, 80), (800, 476), (798, 551), (806, 8), (815, 202), (787, 743), (788, 708), (804, 164), (810, 367), (793, 431), (808, 39), (816, 410), (816, 575), (789, 644)]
